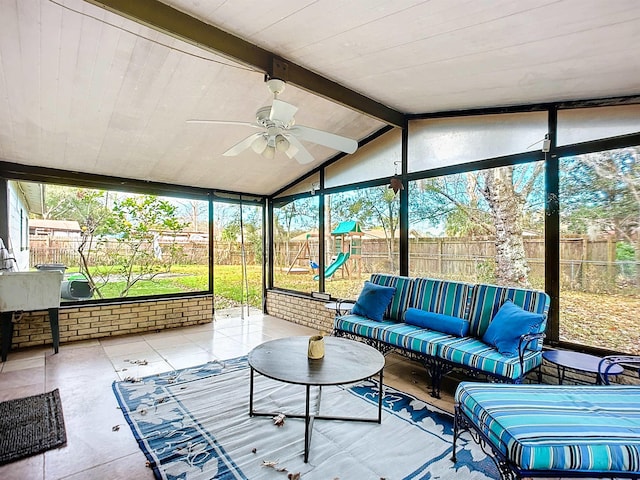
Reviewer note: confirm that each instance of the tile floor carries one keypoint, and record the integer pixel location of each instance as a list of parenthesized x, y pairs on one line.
[(84, 372)]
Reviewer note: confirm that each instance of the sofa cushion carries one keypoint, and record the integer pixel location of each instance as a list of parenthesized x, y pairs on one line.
[(401, 335), (439, 296), (473, 353), (508, 325), (361, 326), (410, 337), (487, 300), (373, 301), (402, 297), (456, 326)]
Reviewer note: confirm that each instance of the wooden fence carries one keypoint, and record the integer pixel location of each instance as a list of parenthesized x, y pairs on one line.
[(46, 250), (586, 265)]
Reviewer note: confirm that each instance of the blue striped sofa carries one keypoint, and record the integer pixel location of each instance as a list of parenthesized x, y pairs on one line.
[(554, 430), (441, 352)]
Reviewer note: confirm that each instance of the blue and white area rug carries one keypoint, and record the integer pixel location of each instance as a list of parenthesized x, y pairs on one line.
[(194, 424)]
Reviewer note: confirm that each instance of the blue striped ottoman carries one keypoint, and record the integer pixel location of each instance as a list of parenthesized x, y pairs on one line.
[(554, 430)]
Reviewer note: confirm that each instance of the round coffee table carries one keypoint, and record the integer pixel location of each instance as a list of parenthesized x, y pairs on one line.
[(345, 361), (581, 362), (341, 307)]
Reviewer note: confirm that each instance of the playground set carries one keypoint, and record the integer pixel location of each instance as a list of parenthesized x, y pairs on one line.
[(347, 252)]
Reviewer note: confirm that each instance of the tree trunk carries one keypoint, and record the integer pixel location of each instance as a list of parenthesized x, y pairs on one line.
[(507, 209), (392, 238)]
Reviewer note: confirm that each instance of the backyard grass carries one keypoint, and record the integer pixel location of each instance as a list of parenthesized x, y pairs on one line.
[(183, 278), (194, 278), (602, 320), (229, 288), (338, 287), (147, 287)]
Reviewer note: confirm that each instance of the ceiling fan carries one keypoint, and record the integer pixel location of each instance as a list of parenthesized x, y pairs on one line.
[(280, 133)]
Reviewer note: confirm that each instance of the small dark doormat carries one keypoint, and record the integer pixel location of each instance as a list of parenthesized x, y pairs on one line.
[(31, 425)]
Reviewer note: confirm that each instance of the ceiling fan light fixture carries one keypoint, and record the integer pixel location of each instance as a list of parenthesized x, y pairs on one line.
[(275, 86), (259, 144), (280, 133), (269, 152), (282, 144)]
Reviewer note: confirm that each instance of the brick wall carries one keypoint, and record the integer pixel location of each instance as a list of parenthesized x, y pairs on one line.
[(98, 321), (301, 309)]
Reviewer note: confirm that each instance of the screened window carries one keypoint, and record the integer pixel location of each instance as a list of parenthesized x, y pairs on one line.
[(584, 124), (481, 226), (238, 249), (116, 244), (295, 238), (362, 237), (311, 184), (600, 249), (378, 159), (442, 142)]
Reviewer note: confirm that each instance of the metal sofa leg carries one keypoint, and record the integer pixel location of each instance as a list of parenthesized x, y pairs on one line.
[(455, 435), (434, 369)]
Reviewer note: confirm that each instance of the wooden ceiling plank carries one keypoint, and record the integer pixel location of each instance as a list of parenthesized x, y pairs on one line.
[(169, 20)]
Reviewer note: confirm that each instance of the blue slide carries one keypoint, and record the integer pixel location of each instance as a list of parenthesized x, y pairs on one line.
[(337, 263)]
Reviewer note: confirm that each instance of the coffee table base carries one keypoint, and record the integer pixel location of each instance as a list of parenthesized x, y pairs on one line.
[(309, 417)]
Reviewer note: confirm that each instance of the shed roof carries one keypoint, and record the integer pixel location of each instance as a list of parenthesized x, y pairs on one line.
[(60, 225)]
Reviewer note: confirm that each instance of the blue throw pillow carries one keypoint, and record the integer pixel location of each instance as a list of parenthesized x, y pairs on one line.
[(437, 321), (508, 324), (373, 301)]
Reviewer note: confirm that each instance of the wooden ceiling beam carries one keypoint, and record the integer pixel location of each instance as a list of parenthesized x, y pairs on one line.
[(171, 21)]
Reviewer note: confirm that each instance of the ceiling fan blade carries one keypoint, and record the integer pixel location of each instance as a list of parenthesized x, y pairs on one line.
[(292, 150), (296, 150), (242, 145), (331, 140), (224, 122), (282, 111)]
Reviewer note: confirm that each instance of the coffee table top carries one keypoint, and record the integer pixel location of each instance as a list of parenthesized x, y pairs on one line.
[(339, 305), (344, 361), (578, 361)]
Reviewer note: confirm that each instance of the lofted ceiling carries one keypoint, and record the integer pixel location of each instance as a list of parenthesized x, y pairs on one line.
[(86, 89)]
